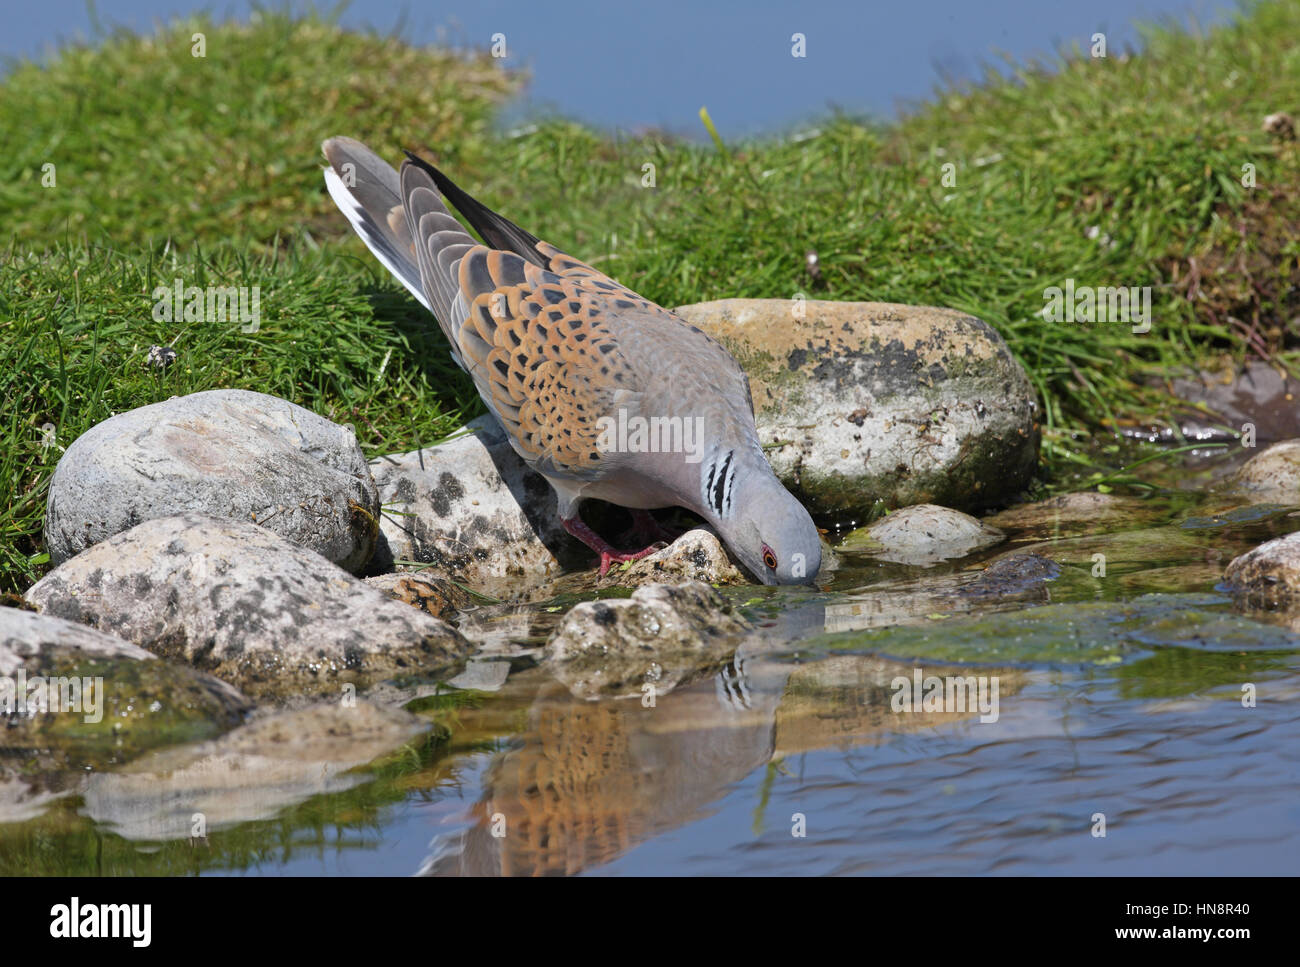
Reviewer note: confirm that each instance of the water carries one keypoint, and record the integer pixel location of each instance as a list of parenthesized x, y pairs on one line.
[(1119, 700)]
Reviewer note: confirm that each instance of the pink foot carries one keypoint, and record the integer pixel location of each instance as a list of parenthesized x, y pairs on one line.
[(578, 528)]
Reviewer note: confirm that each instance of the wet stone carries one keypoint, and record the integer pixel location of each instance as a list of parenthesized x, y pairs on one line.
[(78, 696), (646, 644), (921, 535)]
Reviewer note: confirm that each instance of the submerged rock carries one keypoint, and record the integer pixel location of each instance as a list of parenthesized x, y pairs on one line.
[(1068, 515), (250, 774), (229, 453), (236, 600), (921, 535), (1014, 574), (866, 402), (79, 696), (472, 510), (661, 636), (1272, 476)]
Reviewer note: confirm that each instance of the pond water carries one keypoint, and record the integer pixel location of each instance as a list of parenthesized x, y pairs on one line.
[(1135, 702)]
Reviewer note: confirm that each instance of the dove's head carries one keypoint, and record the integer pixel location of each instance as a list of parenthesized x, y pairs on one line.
[(769, 530)]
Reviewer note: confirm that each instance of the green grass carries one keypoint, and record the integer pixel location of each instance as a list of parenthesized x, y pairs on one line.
[(207, 169)]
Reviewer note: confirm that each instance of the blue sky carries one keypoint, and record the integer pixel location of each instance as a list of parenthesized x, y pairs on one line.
[(620, 64)]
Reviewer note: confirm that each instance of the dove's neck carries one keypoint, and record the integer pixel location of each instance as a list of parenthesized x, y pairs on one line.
[(727, 476)]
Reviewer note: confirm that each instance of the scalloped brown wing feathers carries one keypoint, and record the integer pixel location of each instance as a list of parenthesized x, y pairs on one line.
[(543, 344)]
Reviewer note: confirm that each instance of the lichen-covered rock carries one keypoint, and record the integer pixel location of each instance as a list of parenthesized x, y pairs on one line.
[(472, 510), (859, 402), (1268, 577), (661, 636), (234, 599), (1272, 476), (81, 696), (440, 598), (922, 535), (228, 453), (275, 761)]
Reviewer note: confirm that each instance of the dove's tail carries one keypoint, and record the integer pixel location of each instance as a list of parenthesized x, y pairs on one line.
[(368, 191), (388, 210)]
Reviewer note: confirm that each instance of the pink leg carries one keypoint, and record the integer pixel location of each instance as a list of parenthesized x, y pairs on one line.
[(578, 528)]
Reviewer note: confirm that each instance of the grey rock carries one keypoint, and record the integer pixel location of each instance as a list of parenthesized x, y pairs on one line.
[(228, 453), (472, 510), (1272, 476), (661, 636), (250, 774), (1268, 577), (922, 535), (865, 402), (28, 638), (234, 599), (697, 555)]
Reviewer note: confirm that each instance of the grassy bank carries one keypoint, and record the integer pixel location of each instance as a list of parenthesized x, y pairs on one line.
[(1116, 171)]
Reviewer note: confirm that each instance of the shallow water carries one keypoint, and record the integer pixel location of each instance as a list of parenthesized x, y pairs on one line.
[(1119, 695)]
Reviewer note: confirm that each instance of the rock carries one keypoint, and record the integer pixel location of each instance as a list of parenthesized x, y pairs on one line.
[(1272, 476), (1268, 577), (697, 555), (88, 697), (442, 599), (661, 636), (863, 402), (1216, 406), (1013, 575), (921, 535), (228, 453), (1069, 515), (250, 774), (31, 638), (234, 599), (472, 509)]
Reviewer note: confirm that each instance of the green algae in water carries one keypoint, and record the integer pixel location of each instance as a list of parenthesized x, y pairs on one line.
[(140, 705), (1084, 633)]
